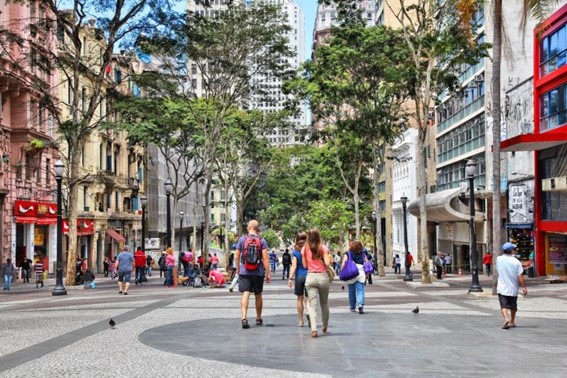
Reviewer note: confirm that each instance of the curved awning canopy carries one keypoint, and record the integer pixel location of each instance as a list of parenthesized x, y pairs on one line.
[(445, 206)]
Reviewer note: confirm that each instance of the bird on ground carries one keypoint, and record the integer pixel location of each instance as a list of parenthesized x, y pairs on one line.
[(415, 310), (112, 323)]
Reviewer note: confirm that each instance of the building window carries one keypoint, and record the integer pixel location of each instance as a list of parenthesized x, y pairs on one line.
[(461, 140), (47, 172), (553, 51), (553, 107), (28, 167)]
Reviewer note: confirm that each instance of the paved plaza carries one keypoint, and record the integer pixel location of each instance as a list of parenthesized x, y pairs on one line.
[(187, 332)]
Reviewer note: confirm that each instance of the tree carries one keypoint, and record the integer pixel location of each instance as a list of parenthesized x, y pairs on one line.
[(438, 46), (117, 23), (230, 53), (166, 125), (355, 88)]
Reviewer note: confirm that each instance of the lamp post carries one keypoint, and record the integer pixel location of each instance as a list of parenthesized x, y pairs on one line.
[(59, 289), (144, 202), (470, 169), (168, 189), (407, 276), (180, 228), (375, 231)]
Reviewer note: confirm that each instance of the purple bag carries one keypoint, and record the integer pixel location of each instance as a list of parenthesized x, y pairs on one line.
[(349, 271), (368, 268)]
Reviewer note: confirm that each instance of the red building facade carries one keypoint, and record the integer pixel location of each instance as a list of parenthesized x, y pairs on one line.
[(549, 143)]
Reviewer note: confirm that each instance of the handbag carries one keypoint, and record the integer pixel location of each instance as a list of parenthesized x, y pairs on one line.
[(349, 271), (368, 268), (330, 272)]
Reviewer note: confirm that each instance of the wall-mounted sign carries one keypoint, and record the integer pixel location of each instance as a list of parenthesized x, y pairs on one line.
[(521, 202)]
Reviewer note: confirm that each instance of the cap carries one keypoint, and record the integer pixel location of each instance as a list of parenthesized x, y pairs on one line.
[(508, 246)]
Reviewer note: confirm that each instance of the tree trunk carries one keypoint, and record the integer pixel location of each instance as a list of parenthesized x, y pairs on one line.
[(496, 64), (422, 193), (356, 199), (72, 212)]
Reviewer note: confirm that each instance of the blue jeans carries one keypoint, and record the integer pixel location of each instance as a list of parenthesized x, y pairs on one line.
[(139, 274), (356, 295), (149, 271), (7, 281), (273, 263), (169, 276)]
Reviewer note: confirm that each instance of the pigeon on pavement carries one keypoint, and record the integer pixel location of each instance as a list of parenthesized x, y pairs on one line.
[(112, 323), (415, 310)]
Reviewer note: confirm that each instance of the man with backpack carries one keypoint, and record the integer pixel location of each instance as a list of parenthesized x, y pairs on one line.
[(251, 257), (286, 262)]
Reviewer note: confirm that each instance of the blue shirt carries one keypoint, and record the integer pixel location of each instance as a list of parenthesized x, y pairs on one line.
[(357, 258), (301, 271), (240, 246), (125, 262)]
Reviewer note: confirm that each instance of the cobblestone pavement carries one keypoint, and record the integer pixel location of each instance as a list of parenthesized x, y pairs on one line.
[(186, 332)]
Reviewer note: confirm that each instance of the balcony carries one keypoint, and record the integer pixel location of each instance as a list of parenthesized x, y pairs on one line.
[(461, 114)]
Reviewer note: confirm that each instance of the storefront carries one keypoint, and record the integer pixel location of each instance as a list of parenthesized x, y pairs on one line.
[(549, 143), (85, 232), (34, 228)]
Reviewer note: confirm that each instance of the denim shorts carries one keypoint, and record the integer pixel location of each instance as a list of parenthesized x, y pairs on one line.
[(299, 289), (124, 276)]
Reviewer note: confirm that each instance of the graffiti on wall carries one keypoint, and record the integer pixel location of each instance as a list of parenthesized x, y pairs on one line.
[(519, 110)]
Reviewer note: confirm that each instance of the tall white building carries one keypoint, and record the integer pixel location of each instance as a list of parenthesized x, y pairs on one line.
[(273, 85)]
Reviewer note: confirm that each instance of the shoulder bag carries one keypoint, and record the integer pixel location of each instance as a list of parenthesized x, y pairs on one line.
[(350, 270)]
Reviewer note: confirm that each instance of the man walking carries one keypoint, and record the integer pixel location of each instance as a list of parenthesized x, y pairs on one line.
[(510, 277), (251, 257), (26, 267), (286, 262), (487, 261), (124, 264), (140, 262)]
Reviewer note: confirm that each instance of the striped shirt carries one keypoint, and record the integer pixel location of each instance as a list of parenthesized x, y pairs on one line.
[(38, 268)]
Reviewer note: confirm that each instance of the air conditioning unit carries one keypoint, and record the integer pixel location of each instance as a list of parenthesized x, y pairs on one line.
[(554, 184)]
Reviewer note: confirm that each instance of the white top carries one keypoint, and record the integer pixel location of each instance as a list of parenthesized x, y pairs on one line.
[(509, 269)]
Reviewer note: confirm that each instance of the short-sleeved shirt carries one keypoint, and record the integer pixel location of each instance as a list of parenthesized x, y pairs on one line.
[(509, 269), (125, 261), (240, 246), (301, 271), (315, 266)]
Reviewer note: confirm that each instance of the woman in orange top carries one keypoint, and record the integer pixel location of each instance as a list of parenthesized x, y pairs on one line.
[(315, 256)]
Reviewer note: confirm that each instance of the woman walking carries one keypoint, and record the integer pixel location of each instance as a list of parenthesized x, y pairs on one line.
[(356, 285), (297, 277), (316, 258), (397, 264)]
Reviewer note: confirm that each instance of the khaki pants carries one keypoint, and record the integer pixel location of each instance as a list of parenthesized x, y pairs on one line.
[(317, 285)]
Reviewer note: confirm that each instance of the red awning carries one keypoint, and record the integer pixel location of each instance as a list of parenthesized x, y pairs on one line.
[(533, 142), (22, 219), (46, 220), (115, 235)]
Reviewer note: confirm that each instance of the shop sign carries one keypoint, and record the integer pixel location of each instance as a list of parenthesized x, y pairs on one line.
[(39, 236), (25, 208), (521, 203)]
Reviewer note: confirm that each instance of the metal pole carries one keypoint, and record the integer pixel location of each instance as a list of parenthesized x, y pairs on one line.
[(59, 288), (168, 236), (407, 276), (144, 228), (475, 285), (180, 235)]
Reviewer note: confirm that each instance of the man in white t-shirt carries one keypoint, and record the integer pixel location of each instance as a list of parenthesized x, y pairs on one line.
[(510, 278)]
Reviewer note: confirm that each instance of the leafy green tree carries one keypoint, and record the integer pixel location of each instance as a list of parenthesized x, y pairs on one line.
[(333, 218), (230, 53), (355, 86), (438, 46), (271, 238)]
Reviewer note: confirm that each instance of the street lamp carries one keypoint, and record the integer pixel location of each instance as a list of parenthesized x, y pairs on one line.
[(59, 289), (144, 202), (407, 276), (470, 169), (168, 189), (375, 231), (180, 228)]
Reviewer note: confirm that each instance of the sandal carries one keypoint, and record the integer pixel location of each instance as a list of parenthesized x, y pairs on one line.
[(300, 323), (259, 322), (245, 324), (314, 334)]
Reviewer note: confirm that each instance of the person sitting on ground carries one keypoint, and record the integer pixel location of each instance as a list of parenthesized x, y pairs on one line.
[(89, 279), (216, 278)]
